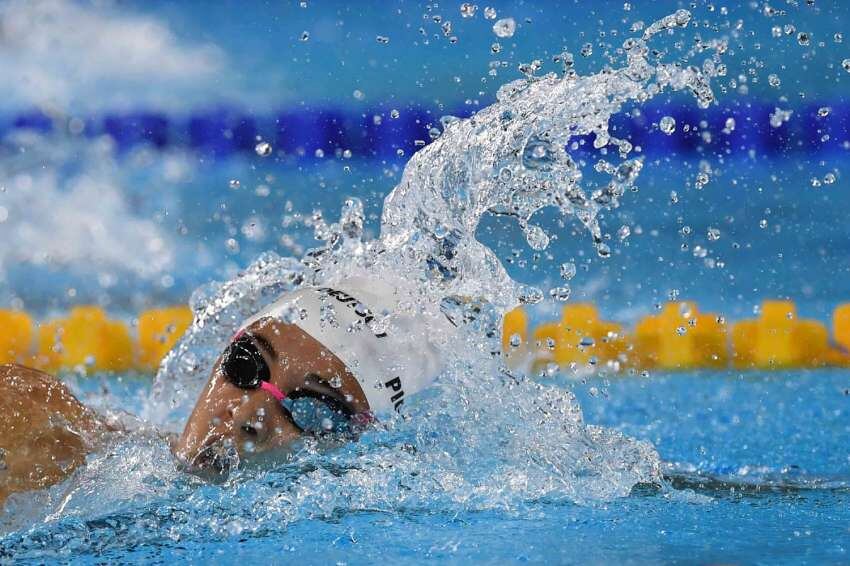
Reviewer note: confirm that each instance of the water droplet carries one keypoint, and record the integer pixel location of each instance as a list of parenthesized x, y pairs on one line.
[(803, 38), (335, 381), (838, 37), (536, 237), (496, 47), (624, 232), (681, 330), (586, 50), (701, 180), (824, 111), (779, 116), (515, 340), (394, 114), (829, 178), (538, 154), (319, 153), (530, 295), (587, 342), (382, 39), (505, 27), (773, 80), (568, 270), (263, 149), (358, 94), (561, 294), (305, 36), (713, 234), (528, 69), (603, 250), (667, 125), (490, 12), (234, 184), (467, 9), (762, 223), (846, 65)]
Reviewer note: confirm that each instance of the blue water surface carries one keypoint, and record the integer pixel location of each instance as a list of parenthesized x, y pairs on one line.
[(757, 467)]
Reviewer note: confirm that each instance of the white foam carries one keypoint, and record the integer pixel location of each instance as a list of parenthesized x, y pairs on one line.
[(58, 219), (71, 55)]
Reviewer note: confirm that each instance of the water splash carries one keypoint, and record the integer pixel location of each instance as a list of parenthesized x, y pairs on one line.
[(48, 185), (512, 158), (482, 438)]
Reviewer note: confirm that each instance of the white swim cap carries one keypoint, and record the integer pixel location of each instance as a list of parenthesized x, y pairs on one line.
[(373, 327)]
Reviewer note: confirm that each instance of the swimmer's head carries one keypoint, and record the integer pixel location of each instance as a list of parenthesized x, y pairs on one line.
[(273, 386), (284, 378)]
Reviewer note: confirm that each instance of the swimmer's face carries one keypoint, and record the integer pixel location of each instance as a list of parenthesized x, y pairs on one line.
[(231, 425)]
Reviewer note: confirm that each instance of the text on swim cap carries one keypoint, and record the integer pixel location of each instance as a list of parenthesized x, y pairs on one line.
[(398, 398), (364, 313)]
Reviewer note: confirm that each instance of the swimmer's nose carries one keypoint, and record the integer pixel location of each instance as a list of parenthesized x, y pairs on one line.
[(249, 425)]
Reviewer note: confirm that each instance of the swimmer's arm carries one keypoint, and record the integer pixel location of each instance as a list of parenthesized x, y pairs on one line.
[(45, 432)]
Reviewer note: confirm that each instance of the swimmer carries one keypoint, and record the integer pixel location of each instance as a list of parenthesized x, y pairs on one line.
[(316, 363), (320, 363)]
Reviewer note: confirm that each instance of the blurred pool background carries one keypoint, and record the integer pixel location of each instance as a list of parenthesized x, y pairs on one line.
[(127, 125), (130, 174)]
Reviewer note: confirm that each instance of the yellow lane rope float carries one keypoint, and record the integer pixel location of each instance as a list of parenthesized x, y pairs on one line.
[(88, 339), (678, 338)]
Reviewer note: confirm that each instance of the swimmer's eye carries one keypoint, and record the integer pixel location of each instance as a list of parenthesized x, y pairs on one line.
[(317, 414), (243, 365)]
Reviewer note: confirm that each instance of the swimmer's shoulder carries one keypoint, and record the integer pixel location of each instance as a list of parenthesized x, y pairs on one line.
[(25, 391)]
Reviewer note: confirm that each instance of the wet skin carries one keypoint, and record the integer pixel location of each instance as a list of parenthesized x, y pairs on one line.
[(45, 432), (230, 424)]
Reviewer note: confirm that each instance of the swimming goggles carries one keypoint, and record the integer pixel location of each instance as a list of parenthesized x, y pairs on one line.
[(245, 367)]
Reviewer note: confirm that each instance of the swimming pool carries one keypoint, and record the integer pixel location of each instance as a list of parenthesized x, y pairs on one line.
[(756, 463), (735, 203)]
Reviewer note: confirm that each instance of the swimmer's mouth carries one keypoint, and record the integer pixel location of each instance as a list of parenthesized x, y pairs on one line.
[(213, 463)]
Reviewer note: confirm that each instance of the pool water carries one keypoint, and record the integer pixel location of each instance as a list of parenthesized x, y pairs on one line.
[(757, 466)]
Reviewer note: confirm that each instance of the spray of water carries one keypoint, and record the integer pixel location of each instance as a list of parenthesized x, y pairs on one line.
[(511, 158), (483, 437)]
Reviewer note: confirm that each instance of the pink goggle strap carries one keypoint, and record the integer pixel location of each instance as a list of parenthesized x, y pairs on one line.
[(272, 390)]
